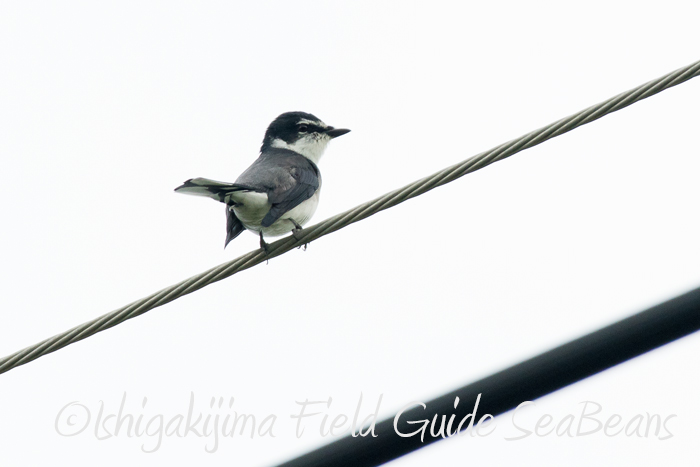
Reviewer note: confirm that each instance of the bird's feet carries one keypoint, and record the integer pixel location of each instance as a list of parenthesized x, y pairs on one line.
[(263, 245), (295, 231)]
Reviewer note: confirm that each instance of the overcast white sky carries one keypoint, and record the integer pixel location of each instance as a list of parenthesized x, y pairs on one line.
[(105, 107)]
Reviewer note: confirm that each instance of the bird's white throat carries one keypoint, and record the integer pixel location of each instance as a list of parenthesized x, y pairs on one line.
[(311, 146)]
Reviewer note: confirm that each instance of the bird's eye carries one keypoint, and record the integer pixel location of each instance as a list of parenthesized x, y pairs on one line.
[(303, 128)]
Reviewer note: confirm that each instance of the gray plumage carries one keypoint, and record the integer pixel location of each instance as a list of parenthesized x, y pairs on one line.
[(279, 192), (286, 177)]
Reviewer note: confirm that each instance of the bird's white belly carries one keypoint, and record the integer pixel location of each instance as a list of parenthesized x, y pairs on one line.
[(255, 206)]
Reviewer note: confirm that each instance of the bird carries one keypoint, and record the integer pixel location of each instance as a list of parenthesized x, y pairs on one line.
[(280, 190)]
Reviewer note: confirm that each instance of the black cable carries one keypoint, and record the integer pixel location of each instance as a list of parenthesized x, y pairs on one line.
[(525, 381)]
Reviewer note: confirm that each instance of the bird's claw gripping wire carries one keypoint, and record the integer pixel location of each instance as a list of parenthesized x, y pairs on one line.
[(263, 245), (295, 231)]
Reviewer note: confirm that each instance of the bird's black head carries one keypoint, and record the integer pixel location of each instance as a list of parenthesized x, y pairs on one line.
[(300, 132)]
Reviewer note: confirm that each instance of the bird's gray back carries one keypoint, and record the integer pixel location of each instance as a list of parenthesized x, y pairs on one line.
[(279, 168), (288, 179)]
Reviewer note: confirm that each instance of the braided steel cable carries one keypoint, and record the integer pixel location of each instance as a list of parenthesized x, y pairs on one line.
[(358, 213)]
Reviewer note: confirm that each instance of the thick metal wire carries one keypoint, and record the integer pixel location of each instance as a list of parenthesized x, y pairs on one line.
[(344, 219), (505, 390)]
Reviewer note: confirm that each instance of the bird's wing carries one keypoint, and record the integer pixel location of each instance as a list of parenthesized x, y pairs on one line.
[(288, 178), (285, 199)]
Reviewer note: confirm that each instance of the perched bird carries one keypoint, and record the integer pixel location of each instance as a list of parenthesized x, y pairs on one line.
[(279, 192)]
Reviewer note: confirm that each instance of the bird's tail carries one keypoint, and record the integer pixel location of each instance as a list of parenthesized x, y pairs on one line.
[(219, 191), (234, 226)]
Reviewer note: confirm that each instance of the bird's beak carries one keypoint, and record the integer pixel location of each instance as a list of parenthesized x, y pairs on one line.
[(335, 132)]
